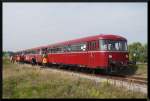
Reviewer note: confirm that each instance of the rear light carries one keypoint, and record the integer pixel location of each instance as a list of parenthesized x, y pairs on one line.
[(110, 56)]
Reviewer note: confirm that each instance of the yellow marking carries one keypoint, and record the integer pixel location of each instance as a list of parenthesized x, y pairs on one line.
[(44, 60)]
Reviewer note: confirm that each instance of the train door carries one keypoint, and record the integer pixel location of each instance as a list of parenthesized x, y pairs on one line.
[(44, 55), (90, 54), (92, 47)]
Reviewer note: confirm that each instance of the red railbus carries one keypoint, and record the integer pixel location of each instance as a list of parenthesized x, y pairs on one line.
[(105, 51)]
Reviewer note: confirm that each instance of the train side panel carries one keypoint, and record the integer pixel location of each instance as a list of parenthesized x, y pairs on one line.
[(97, 60), (85, 59)]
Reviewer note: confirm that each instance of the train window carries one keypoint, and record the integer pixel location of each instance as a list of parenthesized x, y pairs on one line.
[(59, 50), (64, 48), (32, 52), (74, 47), (83, 47), (68, 48), (44, 50), (94, 45), (103, 45), (78, 47), (113, 45), (97, 44), (53, 50), (88, 46), (36, 51), (28, 52), (49, 50)]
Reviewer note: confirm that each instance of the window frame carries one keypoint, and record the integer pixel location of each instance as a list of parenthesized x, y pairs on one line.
[(117, 41)]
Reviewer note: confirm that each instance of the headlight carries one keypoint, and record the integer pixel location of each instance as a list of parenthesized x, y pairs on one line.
[(110, 56)]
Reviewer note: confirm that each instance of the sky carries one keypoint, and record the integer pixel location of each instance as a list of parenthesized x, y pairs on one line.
[(28, 25)]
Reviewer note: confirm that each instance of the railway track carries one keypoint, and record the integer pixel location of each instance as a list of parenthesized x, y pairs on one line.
[(131, 79), (128, 78), (141, 80)]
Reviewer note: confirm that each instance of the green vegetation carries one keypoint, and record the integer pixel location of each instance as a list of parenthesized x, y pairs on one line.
[(140, 51), (20, 81), (6, 61), (142, 70), (7, 53)]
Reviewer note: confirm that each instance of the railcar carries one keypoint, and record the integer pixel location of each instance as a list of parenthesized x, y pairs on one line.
[(105, 51), (33, 53)]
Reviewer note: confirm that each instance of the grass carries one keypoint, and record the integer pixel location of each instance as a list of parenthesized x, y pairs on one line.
[(6, 61), (23, 82), (142, 69)]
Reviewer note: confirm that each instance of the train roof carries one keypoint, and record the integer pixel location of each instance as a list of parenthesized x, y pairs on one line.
[(80, 40), (89, 38)]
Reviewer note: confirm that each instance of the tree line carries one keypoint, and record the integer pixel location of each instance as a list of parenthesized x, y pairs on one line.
[(138, 52)]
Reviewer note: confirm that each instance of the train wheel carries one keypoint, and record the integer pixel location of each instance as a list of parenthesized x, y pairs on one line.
[(108, 70), (98, 70)]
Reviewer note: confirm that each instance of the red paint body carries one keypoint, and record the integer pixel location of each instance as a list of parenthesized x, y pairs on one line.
[(89, 58)]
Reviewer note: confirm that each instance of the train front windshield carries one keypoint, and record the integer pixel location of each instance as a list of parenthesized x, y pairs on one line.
[(113, 45)]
